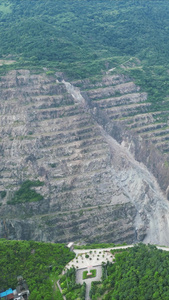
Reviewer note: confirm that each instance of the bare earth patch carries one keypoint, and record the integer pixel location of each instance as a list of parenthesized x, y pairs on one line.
[(6, 62)]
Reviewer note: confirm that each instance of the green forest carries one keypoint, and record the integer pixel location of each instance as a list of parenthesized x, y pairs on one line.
[(39, 264), (75, 30), (139, 273), (86, 38), (70, 288)]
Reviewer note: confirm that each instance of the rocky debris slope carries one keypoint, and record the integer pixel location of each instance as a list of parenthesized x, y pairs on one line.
[(94, 189), (127, 115)]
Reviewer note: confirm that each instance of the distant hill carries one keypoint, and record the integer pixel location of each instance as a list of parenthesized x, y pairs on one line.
[(84, 32), (84, 38)]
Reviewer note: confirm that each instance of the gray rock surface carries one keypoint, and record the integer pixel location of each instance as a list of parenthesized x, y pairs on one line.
[(95, 190)]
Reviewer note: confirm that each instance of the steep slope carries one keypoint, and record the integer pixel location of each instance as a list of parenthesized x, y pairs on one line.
[(94, 189), (127, 114)]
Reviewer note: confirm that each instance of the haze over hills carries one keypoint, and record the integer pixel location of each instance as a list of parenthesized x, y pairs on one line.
[(84, 121)]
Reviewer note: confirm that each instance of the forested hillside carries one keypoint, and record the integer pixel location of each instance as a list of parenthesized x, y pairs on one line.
[(140, 273), (84, 37), (38, 263), (77, 31)]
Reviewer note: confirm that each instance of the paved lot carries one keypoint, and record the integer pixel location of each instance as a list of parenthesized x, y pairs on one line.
[(94, 257), (79, 278), (77, 251), (94, 260)]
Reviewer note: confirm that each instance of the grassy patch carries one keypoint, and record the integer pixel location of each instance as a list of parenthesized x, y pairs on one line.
[(93, 274)]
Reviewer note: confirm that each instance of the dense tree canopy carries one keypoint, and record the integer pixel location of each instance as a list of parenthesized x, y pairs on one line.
[(83, 38), (78, 31), (36, 262), (140, 273)]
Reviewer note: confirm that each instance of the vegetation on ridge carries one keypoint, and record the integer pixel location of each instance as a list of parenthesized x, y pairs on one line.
[(74, 30), (83, 38), (38, 263)]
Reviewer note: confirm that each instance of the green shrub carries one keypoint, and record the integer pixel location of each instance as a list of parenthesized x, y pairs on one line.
[(3, 194), (26, 194), (50, 72), (93, 274)]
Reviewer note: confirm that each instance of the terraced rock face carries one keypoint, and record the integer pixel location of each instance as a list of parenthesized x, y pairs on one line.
[(94, 189), (128, 116)]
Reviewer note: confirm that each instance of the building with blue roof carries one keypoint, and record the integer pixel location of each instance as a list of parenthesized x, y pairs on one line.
[(6, 293), (20, 293)]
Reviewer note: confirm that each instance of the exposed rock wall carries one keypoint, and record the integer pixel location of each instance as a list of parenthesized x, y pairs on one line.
[(94, 188)]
